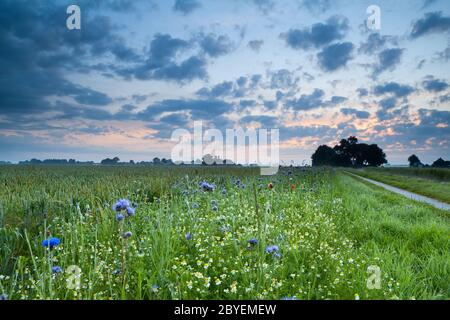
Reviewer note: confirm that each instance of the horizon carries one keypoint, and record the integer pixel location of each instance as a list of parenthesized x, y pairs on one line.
[(138, 70)]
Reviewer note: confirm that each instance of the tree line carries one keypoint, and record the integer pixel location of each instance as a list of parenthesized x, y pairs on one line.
[(415, 162)]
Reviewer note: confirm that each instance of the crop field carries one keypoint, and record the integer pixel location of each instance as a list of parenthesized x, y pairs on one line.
[(433, 183), (99, 232)]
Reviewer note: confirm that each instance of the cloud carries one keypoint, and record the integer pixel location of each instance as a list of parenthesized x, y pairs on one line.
[(428, 3), (435, 85), (199, 109), (376, 42), (388, 103), (318, 35), (362, 92), (433, 22), (316, 6), (162, 64), (186, 6), (222, 89), (264, 120), (335, 56), (354, 112), (255, 45), (387, 60), (216, 45), (264, 5), (394, 88), (283, 79)]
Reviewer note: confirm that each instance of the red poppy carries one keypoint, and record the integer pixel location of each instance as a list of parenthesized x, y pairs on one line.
[(270, 186)]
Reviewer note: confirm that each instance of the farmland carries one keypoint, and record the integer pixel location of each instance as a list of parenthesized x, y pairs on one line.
[(302, 234)]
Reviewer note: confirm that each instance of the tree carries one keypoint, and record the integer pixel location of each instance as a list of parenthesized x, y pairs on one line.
[(349, 153), (414, 161), (324, 156), (441, 163), (156, 160)]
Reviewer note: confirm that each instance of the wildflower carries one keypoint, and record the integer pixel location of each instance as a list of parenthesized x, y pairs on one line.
[(188, 236), (293, 187), (272, 249), (253, 241), (119, 217), (270, 186), (289, 298), (356, 296), (51, 242), (56, 269), (116, 272), (127, 235), (207, 186), (195, 206), (122, 204), (155, 288), (3, 297), (215, 208), (130, 211), (224, 191)]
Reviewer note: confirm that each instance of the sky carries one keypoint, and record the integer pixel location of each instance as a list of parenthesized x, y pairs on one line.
[(137, 70)]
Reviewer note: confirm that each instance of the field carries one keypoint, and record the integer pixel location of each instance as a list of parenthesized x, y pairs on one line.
[(433, 183), (303, 234)]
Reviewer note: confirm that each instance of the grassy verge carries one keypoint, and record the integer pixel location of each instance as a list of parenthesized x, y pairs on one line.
[(409, 239), (436, 189)]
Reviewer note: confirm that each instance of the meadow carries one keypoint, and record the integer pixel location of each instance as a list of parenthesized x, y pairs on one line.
[(430, 182), (99, 232)]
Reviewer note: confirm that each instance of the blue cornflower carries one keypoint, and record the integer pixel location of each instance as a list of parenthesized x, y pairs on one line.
[(130, 211), (57, 269), (127, 235), (195, 206), (51, 242), (116, 272), (224, 191), (215, 208), (120, 217), (272, 249), (207, 186), (122, 204), (188, 236), (253, 241), (155, 288), (289, 298), (3, 297)]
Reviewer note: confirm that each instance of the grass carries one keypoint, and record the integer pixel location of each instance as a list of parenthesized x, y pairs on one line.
[(330, 228), (435, 188)]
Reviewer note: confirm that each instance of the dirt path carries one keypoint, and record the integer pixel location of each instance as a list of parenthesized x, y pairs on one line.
[(410, 195)]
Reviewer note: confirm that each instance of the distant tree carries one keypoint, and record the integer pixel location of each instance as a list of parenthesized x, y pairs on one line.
[(109, 161), (441, 163), (414, 161), (349, 153), (156, 160), (324, 156)]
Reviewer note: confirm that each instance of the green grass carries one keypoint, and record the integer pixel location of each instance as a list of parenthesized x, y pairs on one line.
[(330, 228), (430, 173), (430, 187)]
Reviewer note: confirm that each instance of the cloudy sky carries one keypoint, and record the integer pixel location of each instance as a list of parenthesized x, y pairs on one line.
[(139, 69)]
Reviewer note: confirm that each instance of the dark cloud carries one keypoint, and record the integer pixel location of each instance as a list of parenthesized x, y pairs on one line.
[(318, 35), (433, 22), (220, 90), (376, 42), (435, 85), (388, 103), (162, 62), (186, 6), (255, 45), (393, 88), (354, 112), (283, 79), (362, 92), (428, 3), (314, 100), (216, 45), (387, 60), (434, 117), (335, 56)]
